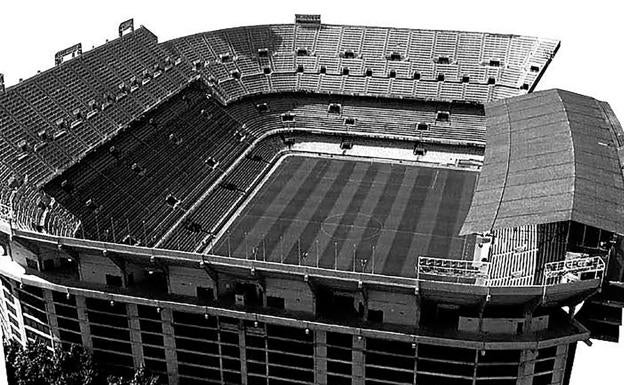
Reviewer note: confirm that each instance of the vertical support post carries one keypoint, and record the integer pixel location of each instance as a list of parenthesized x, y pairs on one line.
[(526, 367), (373, 261), (242, 347), (229, 245), (560, 364), (415, 345), (135, 334), (83, 321), (418, 304), (52, 320), (245, 245), (166, 315), (320, 357), (317, 253), (357, 356)]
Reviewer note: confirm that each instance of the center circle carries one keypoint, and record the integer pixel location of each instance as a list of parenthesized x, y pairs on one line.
[(351, 226)]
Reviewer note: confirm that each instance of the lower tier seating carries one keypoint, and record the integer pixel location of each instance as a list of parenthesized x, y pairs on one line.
[(144, 185)]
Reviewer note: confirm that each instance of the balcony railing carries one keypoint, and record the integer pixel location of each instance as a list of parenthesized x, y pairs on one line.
[(574, 269), (453, 270), (479, 273)]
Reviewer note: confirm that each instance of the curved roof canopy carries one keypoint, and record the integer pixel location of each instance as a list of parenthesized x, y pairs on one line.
[(550, 156)]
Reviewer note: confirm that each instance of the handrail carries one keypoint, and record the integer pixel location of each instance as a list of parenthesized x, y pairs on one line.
[(453, 268), (441, 269), (460, 272), (574, 269)]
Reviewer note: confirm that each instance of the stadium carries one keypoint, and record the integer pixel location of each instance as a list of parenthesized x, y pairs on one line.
[(309, 203)]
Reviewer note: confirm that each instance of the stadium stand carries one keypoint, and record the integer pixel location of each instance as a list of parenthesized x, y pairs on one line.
[(55, 118), (194, 131), (282, 204), (367, 61), (165, 156), (58, 117)]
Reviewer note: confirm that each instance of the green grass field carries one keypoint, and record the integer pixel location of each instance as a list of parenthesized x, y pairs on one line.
[(353, 214)]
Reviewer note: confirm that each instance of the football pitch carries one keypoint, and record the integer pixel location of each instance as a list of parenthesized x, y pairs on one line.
[(354, 215)]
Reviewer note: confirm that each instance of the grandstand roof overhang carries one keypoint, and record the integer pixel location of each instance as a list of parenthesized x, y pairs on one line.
[(550, 156)]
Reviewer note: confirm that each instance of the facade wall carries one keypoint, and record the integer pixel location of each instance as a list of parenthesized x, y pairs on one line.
[(297, 296), (198, 345), (95, 268), (397, 308), (186, 281)]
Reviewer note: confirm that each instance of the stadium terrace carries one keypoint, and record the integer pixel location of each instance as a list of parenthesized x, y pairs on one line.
[(312, 204)]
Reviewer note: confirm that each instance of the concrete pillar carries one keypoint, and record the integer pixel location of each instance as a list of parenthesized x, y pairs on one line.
[(52, 320), (135, 334), (83, 320), (415, 363), (243, 352), (170, 346), (17, 305), (560, 364), (526, 367), (320, 357), (357, 357)]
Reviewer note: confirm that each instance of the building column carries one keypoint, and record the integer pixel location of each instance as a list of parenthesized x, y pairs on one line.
[(415, 363), (135, 334), (526, 367), (320, 357), (560, 364), (17, 305), (83, 320), (52, 320), (357, 357), (242, 347), (170, 347)]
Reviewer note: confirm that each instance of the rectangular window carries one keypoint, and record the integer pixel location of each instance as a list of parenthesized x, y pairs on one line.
[(375, 315), (113, 280), (275, 302), (205, 293)]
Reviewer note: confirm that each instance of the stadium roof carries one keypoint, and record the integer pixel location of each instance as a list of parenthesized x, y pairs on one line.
[(550, 156)]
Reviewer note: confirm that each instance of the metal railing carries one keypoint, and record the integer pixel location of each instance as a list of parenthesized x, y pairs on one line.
[(574, 269), (512, 280), (459, 270), (479, 273), (363, 261)]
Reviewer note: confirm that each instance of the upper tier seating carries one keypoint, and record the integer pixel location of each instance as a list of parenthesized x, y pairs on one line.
[(392, 62), (53, 119)]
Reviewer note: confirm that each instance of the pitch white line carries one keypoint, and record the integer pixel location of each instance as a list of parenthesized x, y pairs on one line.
[(435, 179)]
